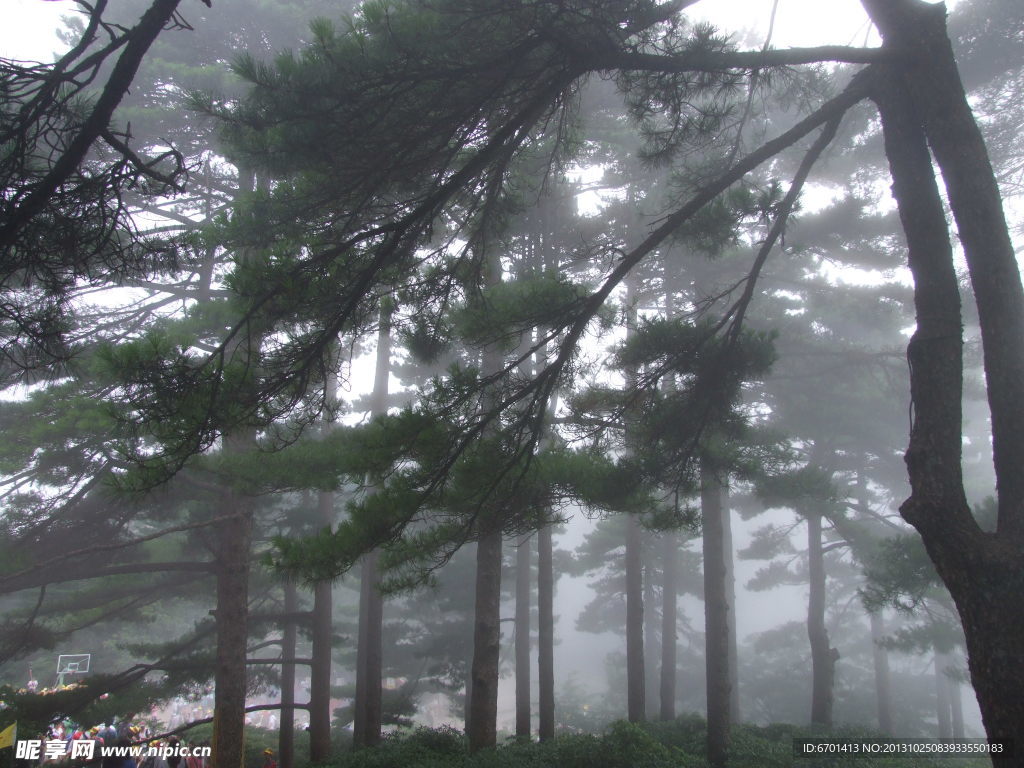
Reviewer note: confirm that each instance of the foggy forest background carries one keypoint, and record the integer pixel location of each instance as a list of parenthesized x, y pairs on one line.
[(453, 364)]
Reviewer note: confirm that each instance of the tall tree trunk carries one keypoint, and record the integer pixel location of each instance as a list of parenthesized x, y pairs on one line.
[(729, 558), (635, 695), (366, 728), (289, 648), (368, 706), (234, 540), (823, 656), (716, 617), (522, 638), (482, 725), (320, 669), (942, 713), (669, 595), (651, 629), (882, 678), (234, 537), (921, 95), (546, 633), (483, 711)]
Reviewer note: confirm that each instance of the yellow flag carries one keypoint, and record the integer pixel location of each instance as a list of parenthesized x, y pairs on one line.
[(7, 735)]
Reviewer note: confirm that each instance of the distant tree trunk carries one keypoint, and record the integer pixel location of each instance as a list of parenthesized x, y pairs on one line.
[(728, 558), (286, 736), (942, 707), (956, 703), (651, 630), (669, 594), (716, 617), (368, 705), (482, 726), (882, 677), (823, 656), (320, 669), (921, 97), (546, 633), (234, 537), (635, 695), (522, 638)]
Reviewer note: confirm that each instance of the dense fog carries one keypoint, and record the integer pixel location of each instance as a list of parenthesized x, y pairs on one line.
[(636, 378)]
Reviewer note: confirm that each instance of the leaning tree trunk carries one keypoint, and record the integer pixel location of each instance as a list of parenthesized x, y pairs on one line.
[(368, 705), (880, 657), (545, 634), (669, 594), (921, 99), (823, 656), (286, 736), (522, 638), (716, 617)]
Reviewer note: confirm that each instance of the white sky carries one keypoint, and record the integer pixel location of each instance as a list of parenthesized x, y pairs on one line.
[(26, 26)]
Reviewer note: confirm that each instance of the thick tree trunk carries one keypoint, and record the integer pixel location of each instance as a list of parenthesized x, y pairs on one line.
[(234, 537), (920, 95), (823, 656), (286, 736), (880, 657), (320, 669), (716, 617), (522, 638), (368, 705), (635, 695), (482, 725), (546, 633), (669, 596)]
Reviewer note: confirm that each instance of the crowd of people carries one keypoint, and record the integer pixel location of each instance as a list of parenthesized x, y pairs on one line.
[(68, 743)]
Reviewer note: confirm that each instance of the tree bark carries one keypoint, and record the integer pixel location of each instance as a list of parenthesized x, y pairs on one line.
[(716, 617), (880, 657), (320, 669), (669, 596), (522, 639), (369, 660), (729, 559), (234, 539), (651, 628), (482, 725), (983, 572), (546, 634), (368, 706), (635, 695), (286, 735), (823, 656)]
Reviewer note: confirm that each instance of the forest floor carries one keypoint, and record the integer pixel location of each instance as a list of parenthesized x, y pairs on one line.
[(677, 744)]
